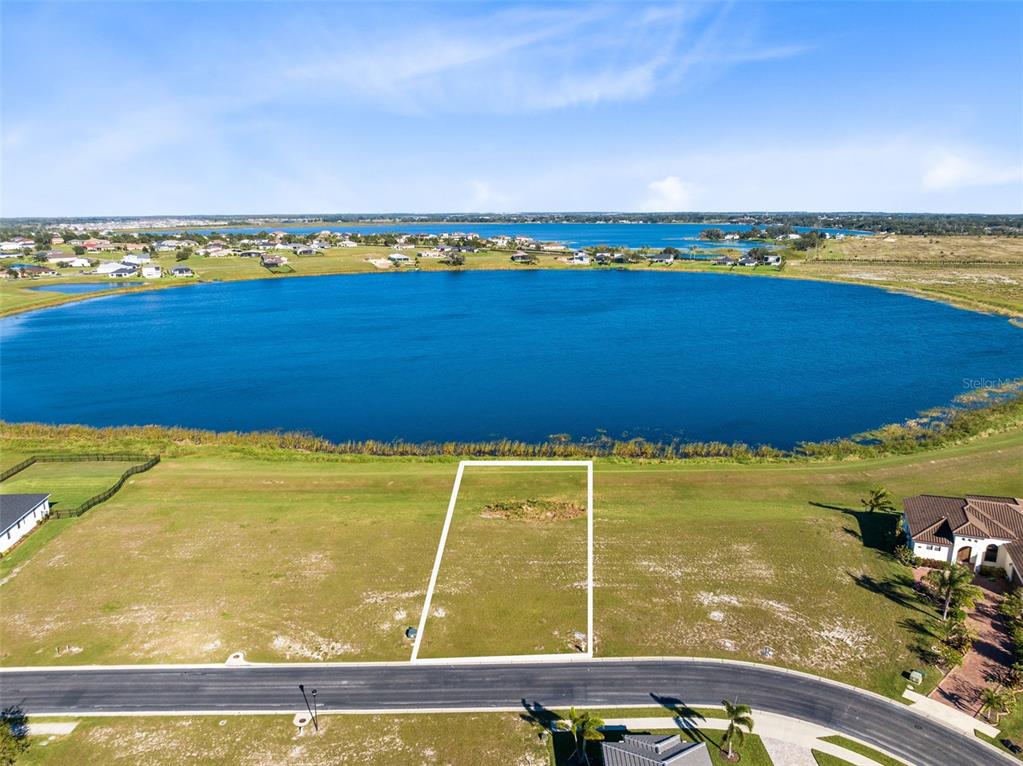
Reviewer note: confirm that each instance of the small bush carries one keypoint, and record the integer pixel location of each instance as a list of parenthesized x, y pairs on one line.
[(905, 556)]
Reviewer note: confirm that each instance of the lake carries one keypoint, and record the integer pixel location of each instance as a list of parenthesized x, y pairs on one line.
[(478, 355), (679, 235)]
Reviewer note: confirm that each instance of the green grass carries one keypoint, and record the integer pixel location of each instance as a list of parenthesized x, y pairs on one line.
[(510, 586), (69, 484), (826, 759), (357, 740), (864, 750), (296, 556), (1009, 727)]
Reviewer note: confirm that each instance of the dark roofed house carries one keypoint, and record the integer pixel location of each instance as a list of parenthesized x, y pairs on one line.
[(18, 516), (975, 530), (654, 750)]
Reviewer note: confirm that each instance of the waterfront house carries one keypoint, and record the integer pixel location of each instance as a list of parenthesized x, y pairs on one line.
[(664, 258), (135, 259), (747, 260), (272, 260), (182, 271), (654, 750), (31, 270), (521, 257), (19, 514), (975, 530), (108, 267), (398, 258), (772, 259), (123, 272), (724, 260), (579, 257), (152, 272), (67, 260)]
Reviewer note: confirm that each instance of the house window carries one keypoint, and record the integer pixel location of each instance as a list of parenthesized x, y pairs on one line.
[(991, 554)]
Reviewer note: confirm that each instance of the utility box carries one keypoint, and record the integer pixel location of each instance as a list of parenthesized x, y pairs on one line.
[(916, 677), (411, 632)]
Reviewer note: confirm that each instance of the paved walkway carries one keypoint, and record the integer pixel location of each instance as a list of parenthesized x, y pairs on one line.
[(789, 741), (939, 710), (990, 658), (51, 727)]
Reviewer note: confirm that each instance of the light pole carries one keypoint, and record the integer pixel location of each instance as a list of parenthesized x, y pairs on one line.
[(316, 720), (301, 688)]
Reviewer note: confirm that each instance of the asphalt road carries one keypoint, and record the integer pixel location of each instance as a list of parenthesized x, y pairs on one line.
[(396, 686)]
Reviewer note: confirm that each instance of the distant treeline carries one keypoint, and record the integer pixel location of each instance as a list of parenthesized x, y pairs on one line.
[(897, 223), (981, 412)]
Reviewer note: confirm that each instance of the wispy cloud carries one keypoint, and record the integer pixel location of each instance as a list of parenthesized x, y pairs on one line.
[(507, 61), (951, 170)]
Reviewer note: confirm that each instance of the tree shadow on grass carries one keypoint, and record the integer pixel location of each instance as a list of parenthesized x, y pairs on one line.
[(877, 530), (897, 588)]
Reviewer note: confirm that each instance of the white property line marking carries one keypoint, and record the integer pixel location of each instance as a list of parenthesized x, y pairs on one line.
[(588, 465)]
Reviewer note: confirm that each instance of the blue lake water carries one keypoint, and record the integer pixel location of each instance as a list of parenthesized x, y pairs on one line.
[(85, 287), (476, 355), (680, 235)]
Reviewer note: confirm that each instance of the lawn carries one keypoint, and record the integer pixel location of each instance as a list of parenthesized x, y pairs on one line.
[(305, 557), (68, 484), (513, 576), (496, 738)]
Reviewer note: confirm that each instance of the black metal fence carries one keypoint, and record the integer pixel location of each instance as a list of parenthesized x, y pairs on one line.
[(145, 463)]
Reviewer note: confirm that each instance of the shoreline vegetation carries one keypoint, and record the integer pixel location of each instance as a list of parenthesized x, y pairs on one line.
[(976, 273), (982, 412)]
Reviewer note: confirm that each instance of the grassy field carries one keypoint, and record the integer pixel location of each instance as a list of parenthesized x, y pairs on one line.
[(306, 558), (497, 738), (974, 272), (513, 576), (984, 273), (69, 484), (455, 739)]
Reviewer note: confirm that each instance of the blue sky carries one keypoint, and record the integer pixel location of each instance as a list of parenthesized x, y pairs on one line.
[(189, 107)]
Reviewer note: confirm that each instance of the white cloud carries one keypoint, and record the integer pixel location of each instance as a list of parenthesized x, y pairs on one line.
[(668, 195), (951, 170)]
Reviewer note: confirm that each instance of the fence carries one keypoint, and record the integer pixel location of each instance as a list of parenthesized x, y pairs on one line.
[(146, 463)]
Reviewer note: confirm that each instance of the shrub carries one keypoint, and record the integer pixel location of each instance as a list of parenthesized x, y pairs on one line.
[(905, 556)]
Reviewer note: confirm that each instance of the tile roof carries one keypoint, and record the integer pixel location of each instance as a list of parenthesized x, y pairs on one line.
[(937, 520)]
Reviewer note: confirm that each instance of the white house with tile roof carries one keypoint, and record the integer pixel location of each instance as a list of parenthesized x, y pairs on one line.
[(975, 530)]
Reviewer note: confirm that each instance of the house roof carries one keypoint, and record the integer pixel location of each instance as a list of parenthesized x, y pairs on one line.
[(654, 750), (938, 520), (13, 508)]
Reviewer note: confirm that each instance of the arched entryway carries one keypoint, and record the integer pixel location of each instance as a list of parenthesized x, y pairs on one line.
[(991, 554), (964, 555)]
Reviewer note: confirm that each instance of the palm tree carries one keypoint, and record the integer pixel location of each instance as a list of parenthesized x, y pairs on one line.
[(878, 499), (996, 702), (739, 717), (953, 585), (585, 728)]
